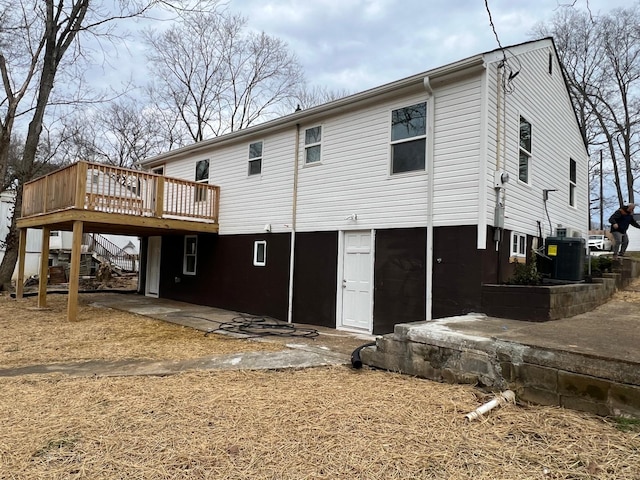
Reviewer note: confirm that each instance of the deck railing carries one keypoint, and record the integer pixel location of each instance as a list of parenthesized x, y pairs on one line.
[(104, 188)]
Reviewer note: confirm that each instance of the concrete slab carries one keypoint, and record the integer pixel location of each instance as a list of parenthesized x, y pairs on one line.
[(299, 358), (588, 362)]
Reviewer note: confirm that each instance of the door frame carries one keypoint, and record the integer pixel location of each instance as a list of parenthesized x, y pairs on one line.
[(339, 293), (153, 262)]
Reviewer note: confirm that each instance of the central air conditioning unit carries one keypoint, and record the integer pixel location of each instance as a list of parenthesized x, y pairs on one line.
[(563, 232)]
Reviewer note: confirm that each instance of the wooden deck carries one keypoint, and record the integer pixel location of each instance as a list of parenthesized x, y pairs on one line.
[(116, 200), (94, 198)]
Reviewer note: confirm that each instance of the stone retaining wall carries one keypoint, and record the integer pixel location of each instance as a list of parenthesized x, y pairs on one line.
[(551, 302)]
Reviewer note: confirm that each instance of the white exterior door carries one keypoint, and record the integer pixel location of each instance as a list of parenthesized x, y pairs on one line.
[(356, 283), (152, 288)]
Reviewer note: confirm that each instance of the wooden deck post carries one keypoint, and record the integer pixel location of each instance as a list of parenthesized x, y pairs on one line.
[(22, 253), (81, 184), (44, 268), (74, 273), (159, 191)]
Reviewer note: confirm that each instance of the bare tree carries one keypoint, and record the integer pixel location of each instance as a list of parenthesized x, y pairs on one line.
[(601, 60), (218, 78), (307, 96), (39, 41), (121, 133)]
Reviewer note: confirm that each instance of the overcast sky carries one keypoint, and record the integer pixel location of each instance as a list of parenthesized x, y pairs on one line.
[(359, 44)]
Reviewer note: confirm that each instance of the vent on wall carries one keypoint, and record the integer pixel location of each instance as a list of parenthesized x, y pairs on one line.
[(567, 232)]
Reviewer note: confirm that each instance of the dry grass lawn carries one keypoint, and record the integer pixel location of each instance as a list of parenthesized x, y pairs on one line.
[(321, 423)]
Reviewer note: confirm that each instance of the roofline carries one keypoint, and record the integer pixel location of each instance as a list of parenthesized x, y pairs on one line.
[(335, 105), (293, 119)]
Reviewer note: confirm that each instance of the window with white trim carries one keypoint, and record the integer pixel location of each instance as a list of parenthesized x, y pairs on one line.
[(409, 138), (202, 176), (312, 144), (255, 158), (573, 186), (524, 162), (260, 253), (190, 255), (518, 245)]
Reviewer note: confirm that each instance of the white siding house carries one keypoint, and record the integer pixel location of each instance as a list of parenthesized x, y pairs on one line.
[(383, 207), (34, 240)]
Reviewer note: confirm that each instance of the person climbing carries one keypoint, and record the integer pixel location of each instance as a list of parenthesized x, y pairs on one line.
[(620, 221)]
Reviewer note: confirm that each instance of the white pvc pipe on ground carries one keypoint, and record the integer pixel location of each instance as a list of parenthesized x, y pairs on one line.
[(505, 397)]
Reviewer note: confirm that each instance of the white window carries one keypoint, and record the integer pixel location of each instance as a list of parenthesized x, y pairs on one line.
[(524, 164), (202, 176), (260, 253), (255, 158), (572, 182), (190, 255), (409, 138), (518, 245), (312, 144)]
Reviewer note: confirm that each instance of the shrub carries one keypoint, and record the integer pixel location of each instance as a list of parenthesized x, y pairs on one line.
[(525, 274)]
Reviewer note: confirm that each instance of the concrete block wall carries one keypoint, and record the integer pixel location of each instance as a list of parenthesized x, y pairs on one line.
[(537, 375), (551, 302)]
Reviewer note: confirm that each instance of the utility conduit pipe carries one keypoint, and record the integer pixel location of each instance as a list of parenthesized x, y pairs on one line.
[(505, 397)]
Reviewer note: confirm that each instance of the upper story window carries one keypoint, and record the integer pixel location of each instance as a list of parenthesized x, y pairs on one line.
[(572, 182), (524, 163), (202, 176), (312, 144), (409, 138), (190, 255), (518, 245), (255, 158)]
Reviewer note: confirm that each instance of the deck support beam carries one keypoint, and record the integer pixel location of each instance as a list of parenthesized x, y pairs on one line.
[(22, 253), (44, 268), (74, 273)]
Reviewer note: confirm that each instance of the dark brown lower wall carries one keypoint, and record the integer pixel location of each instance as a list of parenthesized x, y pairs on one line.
[(315, 278), (400, 282), (457, 271), (225, 275)]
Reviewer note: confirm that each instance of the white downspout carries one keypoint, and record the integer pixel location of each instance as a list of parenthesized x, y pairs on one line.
[(481, 239), (294, 207), (430, 195)]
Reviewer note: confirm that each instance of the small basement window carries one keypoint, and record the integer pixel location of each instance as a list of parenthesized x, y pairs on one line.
[(518, 247), (260, 253), (190, 255)]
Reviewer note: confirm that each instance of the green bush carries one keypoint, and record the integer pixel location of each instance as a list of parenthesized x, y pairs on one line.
[(525, 274), (599, 265)]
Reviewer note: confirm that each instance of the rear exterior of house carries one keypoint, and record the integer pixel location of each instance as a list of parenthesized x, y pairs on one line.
[(387, 206)]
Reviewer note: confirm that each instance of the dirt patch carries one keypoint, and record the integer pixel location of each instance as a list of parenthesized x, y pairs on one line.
[(321, 423)]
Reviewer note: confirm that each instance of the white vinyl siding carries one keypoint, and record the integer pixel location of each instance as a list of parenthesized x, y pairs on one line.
[(541, 98), (243, 207), (355, 178), (457, 152), (355, 174)]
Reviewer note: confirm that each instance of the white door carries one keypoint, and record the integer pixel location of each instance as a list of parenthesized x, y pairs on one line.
[(153, 266), (356, 283)]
